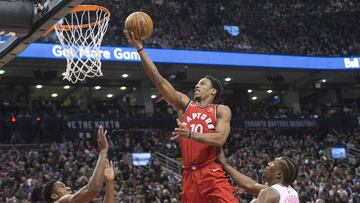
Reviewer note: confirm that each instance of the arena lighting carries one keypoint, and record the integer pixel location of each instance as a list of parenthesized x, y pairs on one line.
[(269, 91), (54, 95), (124, 75), (153, 96), (97, 87), (250, 90), (2, 72), (254, 98), (123, 88), (109, 95), (67, 87), (323, 80), (39, 86), (13, 119), (227, 79)]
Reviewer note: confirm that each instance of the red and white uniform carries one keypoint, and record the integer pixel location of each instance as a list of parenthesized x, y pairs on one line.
[(203, 179)]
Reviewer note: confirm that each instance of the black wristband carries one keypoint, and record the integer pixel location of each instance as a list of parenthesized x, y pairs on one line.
[(140, 49), (189, 135)]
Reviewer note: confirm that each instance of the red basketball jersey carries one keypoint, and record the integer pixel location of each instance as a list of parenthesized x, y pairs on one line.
[(200, 120)]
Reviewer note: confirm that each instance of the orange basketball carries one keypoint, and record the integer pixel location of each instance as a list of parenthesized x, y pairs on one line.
[(140, 24)]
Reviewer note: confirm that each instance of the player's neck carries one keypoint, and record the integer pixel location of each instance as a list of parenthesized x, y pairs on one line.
[(204, 103), (274, 182)]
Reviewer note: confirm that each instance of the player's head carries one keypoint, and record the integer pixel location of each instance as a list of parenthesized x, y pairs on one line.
[(282, 170), (54, 190), (208, 87)]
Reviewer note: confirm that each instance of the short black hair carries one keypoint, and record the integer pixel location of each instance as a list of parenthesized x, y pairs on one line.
[(290, 170), (48, 190), (217, 85)]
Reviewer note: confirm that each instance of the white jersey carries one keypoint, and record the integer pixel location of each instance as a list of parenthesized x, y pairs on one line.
[(286, 193)]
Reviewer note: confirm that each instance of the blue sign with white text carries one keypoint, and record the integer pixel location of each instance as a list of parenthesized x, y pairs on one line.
[(107, 53), (3, 39)]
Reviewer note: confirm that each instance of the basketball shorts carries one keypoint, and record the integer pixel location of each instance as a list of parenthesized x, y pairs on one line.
[(207, 185)]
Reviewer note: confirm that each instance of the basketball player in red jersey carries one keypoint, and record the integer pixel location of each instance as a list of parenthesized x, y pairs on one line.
[(203, 129)]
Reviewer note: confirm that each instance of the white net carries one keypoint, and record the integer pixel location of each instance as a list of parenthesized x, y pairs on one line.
[(80, 34)]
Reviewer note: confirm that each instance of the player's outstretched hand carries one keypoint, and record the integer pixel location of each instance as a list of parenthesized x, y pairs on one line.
[(221, 157), (109, 174), (102, 140), (181, 130), (131, 39)]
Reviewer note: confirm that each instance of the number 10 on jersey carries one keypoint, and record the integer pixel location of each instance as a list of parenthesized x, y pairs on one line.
[(198, 128)]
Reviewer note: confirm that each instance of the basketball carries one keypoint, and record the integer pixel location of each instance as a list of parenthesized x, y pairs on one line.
[(140, 24)]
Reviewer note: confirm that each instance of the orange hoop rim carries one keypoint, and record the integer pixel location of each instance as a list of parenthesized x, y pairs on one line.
[(76, 10)]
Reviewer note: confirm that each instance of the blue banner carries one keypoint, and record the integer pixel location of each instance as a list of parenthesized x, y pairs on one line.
[(55, 51), (3, 39)]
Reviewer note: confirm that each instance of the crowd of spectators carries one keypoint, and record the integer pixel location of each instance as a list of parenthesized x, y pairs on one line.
[(20, 123), (25, 169), (297, 27), (122, 108)]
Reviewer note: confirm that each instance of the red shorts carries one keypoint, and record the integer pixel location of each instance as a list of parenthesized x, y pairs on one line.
[(207, 185)]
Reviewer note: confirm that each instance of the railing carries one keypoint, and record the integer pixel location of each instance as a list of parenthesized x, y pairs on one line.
[(168, 163), (353, 154)]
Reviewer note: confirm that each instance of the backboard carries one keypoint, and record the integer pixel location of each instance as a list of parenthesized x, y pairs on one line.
[(42, 14)]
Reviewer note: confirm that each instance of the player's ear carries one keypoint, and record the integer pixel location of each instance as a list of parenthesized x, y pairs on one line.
[(279, 174), (54, 196), (213, 91)]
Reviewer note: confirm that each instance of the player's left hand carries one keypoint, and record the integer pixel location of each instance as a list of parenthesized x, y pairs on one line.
[(182, 130)]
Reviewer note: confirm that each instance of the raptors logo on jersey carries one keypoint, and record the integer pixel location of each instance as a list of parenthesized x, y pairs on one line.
[(200, 120)]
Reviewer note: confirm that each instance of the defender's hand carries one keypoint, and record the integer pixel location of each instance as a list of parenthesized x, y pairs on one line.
[(131, 39), (109, 174), (102, 140), (221, 157)]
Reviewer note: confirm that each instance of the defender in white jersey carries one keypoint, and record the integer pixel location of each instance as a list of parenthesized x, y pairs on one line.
[(286, 194), (278, 176)]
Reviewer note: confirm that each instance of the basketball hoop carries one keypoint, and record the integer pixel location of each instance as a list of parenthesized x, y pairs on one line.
[(80, 34)]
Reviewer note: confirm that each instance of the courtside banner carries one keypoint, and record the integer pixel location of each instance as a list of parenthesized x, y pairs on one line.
[(336, 122), (281, 123), (172, 56)]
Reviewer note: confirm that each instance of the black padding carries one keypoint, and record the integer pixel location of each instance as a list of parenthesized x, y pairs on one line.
[(16, 16)]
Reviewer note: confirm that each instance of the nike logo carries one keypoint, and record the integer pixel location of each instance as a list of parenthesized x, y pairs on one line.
[(214, 170)]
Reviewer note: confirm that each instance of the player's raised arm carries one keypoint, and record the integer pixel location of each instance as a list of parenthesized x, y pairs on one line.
[(93, 188), (173, 97), (241, 180)]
